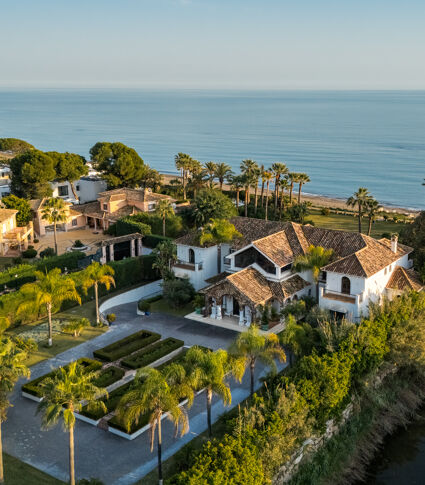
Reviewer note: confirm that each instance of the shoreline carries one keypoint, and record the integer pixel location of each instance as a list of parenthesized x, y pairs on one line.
[(321, 200)]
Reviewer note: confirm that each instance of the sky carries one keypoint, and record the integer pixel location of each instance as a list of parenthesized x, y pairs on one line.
[(222, 44)]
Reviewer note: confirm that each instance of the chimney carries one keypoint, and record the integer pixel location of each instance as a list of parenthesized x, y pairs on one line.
[(394, 241)]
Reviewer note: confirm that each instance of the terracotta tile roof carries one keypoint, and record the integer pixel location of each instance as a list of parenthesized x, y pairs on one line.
[(217, 278), (91, 209), (252, 284), (343, 243), (132, 194), (6, 214), (277, 248), (405, 279), (286, 288)]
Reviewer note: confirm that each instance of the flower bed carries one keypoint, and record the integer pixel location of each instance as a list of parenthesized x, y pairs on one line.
[(152, 353), (109, 376), (33, 387), (126, 346)]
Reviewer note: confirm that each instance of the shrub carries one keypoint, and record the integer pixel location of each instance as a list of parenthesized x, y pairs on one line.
[(47, 253), (178, 292), (126, 345), (67, 260), (29, 253), (325, 211), (111, 317), (108, 376), (153, 240), (152, 353), (75, 327), (78, 244), (129, 226), (33, 387), (111, 402), (144, 305), (36, 241), (198, 301)]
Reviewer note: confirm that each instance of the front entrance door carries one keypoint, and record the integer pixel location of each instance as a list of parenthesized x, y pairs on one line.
[(235, 307)]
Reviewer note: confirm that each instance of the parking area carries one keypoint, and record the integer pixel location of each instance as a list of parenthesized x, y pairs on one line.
[(98, 453)]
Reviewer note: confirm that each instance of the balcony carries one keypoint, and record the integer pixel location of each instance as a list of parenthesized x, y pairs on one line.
[(188, 266), (337, 295)]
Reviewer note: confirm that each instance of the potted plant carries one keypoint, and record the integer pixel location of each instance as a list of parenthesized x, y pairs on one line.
[(198, 303), (265, 317), (143, 307)]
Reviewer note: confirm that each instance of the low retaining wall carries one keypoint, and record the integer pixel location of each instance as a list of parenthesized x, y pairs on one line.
[(145, 291)]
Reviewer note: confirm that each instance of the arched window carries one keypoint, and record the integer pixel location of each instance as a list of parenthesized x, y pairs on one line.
[(345, 285), (191, 256), (295, 298)]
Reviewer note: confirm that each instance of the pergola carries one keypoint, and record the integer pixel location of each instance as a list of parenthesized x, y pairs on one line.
[(108, 246)]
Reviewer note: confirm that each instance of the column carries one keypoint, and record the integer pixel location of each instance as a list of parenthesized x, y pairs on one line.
[(111, 252), (218, 312), (248, 317), (132, 248), (139, 247), (103, 255), (213, 310), (95, 223), (241, 319)]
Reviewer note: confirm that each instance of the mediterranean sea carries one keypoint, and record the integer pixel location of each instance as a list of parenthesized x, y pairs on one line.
[(342, 139)]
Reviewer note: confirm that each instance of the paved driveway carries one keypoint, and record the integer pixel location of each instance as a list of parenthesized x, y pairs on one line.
[(101, 454)]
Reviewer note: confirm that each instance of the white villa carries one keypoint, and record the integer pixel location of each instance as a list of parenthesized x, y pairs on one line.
[(256, 270)]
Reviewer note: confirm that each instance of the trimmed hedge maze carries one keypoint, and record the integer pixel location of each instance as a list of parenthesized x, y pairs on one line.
[(126, 346), (152, 353)]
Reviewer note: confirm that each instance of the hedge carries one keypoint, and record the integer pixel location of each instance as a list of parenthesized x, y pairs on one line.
[(116, 423), (128, 226), (126, 346), (33, 387), (153, 240), (152, 353), (109, 376), (111, 403)]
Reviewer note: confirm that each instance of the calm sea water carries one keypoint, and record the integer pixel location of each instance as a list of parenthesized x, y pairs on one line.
[(343, 140)]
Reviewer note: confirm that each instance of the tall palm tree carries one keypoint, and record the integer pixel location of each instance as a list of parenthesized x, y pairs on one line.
[(237, 184), (278, 170), (222, 171), (64, 394), (183, 163), (247, 183), (164, 209), (54, 211), (156, 393), (208, 370), (12, 367), (267, 177), (94, 275), (283, 185), (210, 168), (359, 199), (198, 181), (263, 184), (252, 346), (313, 260), (372, 209), (48, 292), (292, 179), (256, 173), (249, 169), (303, 178)]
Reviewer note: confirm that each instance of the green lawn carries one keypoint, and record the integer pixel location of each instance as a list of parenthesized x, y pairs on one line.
[(350, 223), (17, 472), (161, 306)]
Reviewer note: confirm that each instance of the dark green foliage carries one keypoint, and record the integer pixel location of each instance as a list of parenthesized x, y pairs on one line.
[(24, 215), (14, 145), (213, 204), (126, 346), (66, 260), (111, 317), (116, 423), (33, 387), (68, 166), (108, 376), (178, 292), (173, 223), (111, 403), (144, 305), (32, 171), (120, 165), (133, 270), (29, 253), (127, 225), (153, 240), (152, 353), (89, 481), (414, 235), (47, 253)]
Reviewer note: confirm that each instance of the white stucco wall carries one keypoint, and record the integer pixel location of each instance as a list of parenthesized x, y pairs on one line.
[(90, 188), (206, 256)]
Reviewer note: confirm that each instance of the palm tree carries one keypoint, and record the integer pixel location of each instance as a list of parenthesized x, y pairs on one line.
[(198, 181), (303, 178), (283, 185), (263, 183), (278, 170), (210, 168), (313, 260), (156, 393), (237, 184), (164, 209), (12, 367), (54, 211), (267, 177), (48, 291), (360, 199), (183, 163), (64, 394), (256, 173), (208, 370), (372, 209), (252, 346), (294, 336), (222, 171), (94, 275), (292, 179)]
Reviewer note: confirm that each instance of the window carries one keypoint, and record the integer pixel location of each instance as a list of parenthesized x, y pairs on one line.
[(63, 190), (77, 188), (191, 256), (74, 222), (345, 285), (105, 207), (227, 261), (151, 207)]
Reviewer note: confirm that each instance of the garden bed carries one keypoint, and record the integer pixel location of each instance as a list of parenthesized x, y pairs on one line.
[(109, 376), (152, 353), (126, 346), (33, 387)]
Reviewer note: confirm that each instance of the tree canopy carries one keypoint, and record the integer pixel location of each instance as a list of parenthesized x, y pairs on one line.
[(14, 145), (120, 165), (24, 216), (32, 171), (213, 204)]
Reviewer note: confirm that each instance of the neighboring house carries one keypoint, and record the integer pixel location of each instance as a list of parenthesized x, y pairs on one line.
[(5, 180), (256, 271), (11, 236), (74, 220), (115, 204), (87, 189)]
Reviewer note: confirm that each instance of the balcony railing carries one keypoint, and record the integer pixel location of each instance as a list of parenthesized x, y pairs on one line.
[(337, 295), (189, 266)]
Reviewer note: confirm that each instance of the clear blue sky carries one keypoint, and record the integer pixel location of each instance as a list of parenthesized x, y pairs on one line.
[(305, 44)]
